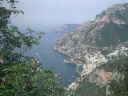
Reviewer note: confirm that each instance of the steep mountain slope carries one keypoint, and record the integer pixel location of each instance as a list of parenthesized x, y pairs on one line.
[(106, 32), (108, 28), (94, 44), (95, 85)]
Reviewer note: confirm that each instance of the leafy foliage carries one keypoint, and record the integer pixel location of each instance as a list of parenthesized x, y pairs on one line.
[(89, 89), (22, 75)]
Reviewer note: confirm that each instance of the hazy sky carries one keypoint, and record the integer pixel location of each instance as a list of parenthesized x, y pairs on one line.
[(49, 12)]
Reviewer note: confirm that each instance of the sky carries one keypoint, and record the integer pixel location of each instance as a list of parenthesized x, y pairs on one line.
[(56, 12)]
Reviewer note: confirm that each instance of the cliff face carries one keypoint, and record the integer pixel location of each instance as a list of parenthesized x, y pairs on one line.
[(103, 35), (108, 28), (96, 43)]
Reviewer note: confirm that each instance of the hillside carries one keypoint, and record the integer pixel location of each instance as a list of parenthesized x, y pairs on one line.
[(99, 79), (105, 34), (94, 44)]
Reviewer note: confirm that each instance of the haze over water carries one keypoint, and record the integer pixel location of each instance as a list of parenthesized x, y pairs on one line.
[(44, 15)]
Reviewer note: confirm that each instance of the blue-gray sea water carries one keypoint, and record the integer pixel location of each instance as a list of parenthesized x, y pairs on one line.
[(51, 59)]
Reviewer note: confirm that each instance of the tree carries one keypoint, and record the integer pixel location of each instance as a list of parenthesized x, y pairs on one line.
[(22, 75)]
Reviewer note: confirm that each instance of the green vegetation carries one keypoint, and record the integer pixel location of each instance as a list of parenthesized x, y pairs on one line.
[(117, 86), (113, 34), (89, 89), (120, 87), (104, 34), (22, 75)]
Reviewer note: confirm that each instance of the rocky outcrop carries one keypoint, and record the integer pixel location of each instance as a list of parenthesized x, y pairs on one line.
[(87, 43), (96, 43)]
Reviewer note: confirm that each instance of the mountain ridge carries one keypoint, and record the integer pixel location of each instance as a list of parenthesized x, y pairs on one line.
[(96, 43)]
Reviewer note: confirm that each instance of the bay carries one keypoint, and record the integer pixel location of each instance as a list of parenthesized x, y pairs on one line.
[(51, 59)]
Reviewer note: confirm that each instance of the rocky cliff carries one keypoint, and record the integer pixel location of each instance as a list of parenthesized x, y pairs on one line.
[(93, 41), (96, 43)]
